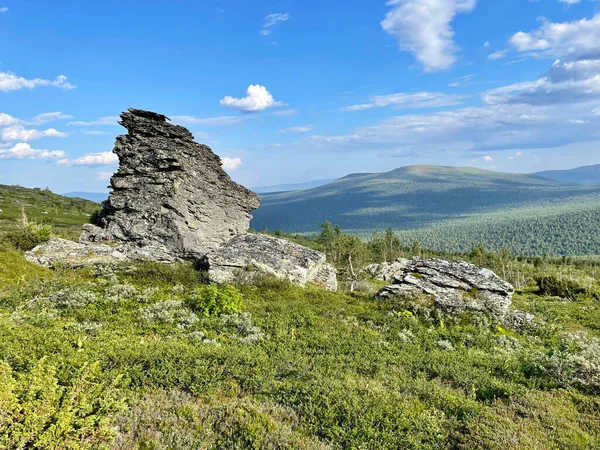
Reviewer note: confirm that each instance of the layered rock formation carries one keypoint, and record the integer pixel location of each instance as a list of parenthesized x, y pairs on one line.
[(170, 193), (172, 201), (250, 254), (456, 286)]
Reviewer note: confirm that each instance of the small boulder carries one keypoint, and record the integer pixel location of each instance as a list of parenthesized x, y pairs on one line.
[(64, 253), (456, 286), (269, 255)]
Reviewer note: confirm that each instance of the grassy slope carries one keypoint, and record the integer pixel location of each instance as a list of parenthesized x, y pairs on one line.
[(66, 215), (431, 202), (334, 371)]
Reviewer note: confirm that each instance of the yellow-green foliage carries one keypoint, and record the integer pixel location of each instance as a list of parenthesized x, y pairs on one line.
[(211, 300), (37, 411), (15, 269)]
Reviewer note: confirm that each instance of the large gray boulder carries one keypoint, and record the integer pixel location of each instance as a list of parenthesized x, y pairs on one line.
[(456, 286), (169, 192), (249, 254), (64, 253)]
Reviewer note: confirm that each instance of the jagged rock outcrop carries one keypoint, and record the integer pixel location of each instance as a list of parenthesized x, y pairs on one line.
[(386, 271), (249, 254), (456, 286), (170, 192)]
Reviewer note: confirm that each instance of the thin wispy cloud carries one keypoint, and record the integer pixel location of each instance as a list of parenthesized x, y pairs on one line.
[(108, 120), (272, 20), (298, 129), (409, 101)]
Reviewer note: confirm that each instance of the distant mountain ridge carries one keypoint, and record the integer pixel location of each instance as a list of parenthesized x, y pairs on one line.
[(291, 187), (585, 175), (530, 214)]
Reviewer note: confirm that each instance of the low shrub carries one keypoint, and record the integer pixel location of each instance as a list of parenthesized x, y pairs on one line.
[(38, 411), (212, 300)]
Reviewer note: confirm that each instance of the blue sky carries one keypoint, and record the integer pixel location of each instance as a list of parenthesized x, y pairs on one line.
[(290, 91)]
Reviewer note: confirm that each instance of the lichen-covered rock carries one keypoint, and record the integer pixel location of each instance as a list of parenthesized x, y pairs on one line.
[(258, 253), (456, 286), (170, 192), (386, 271), (63, 253)]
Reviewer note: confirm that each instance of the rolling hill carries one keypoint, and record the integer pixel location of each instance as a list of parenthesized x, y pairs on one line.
[(447, 208), (586, 175)]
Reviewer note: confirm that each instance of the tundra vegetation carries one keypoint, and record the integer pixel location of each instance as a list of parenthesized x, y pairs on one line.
[(149, 356)]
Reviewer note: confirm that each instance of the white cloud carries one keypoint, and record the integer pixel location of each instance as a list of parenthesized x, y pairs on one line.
[(462, 81), (104, 176), (231, 164), (578, 121), (497, 55), (209, 121), (570, 40), (6, 120), (271, 20), (409, 101), (11, 82), (298, 129), (258, 99), (486, 44), (107, 120), (19, 133), (92, 159), (596, 112), (570, 2), (487, 158), (25, 151), (3, 9), (48, 117), (422, 28), (96, 132)]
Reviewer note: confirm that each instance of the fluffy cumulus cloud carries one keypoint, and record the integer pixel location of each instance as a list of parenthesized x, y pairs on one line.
[(423, 28), (12, 129), (271, 20), (91, 159), (11, 82), (409, 101), (20, 133), (23, 150), (231, 164), (568, 40), (258, 99)]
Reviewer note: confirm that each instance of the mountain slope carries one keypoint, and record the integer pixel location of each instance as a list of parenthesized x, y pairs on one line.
[(291, 187), (586, 175), (436, 199)]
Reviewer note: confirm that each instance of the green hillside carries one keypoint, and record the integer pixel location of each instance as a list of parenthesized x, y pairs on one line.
[(448, 208), (65, 214)]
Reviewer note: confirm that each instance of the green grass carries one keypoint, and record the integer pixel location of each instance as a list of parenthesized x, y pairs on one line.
[(448, 209), (332, 370)]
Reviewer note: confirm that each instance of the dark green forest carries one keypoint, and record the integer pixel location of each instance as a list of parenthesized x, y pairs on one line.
[(447, 209)]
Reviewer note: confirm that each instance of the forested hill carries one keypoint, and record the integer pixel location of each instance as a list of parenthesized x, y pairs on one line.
[(433, 204), (586, 175)]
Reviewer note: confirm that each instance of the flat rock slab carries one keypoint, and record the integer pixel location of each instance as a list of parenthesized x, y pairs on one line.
[(63, 253), (269, 255), (456, 286), (386, 271)]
